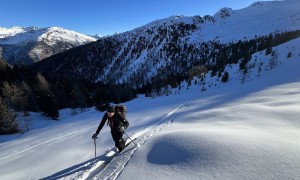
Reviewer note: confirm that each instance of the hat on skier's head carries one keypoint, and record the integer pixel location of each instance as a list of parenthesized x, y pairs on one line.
[(111, 109)]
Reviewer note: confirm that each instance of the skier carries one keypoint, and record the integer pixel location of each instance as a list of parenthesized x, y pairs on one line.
[(117, 122)]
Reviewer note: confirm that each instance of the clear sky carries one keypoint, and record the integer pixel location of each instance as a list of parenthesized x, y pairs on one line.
[(104, 17)]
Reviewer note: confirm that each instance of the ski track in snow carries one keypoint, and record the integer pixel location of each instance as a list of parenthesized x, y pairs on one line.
[(111, 164)]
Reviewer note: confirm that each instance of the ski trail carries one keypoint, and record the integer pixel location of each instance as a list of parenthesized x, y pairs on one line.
[(110, 164), (28, 148), (89, 169), (112, 169)]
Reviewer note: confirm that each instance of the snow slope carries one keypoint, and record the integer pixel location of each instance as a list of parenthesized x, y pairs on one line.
[(175, 45), (17, 35), (232, 131), (227, 25), (249, 133), (261, 18), (156, 46), (17, 43)]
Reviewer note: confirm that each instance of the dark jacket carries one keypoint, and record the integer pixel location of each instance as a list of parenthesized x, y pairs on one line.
[(116, 122)]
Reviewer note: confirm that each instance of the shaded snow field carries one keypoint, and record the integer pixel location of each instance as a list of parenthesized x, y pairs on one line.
[(248, 131), (251, 137)]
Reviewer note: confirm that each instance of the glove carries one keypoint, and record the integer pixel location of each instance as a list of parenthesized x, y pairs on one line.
[(126, 124), (95, 136)]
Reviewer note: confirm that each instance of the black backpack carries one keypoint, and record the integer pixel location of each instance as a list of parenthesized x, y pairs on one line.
[(118, 109), (122, 109)]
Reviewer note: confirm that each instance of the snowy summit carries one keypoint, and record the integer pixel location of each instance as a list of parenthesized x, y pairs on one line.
[(37, 43)]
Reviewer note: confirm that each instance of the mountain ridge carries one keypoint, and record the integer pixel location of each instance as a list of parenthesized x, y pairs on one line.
[(19, 45), (173, 46)]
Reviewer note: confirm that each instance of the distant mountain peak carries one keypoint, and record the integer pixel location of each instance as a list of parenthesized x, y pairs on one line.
[(224, 13), (96, 36), (32, 44)]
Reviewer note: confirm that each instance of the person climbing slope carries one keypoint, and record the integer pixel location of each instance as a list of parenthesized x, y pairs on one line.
[(116, 120)]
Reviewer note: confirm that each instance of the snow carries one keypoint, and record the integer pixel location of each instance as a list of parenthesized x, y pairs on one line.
[(59, 34), (43, 42), (17, 35), (224, 27), (259, 19), (231, 131)]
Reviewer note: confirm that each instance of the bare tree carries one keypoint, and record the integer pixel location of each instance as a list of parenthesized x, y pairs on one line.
[(244, 75), (260, 68), (274, 60), (203, 76)]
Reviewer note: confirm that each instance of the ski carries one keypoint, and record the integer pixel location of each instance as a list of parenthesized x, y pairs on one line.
[(129, 141)]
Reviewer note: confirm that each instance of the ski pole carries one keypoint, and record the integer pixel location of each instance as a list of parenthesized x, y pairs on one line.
[(130, 138), (95, 147)]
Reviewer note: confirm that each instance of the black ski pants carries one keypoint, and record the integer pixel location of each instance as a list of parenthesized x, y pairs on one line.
[(117, 136)]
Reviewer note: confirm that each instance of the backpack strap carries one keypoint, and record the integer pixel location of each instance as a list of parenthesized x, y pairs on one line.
[(110, 122)]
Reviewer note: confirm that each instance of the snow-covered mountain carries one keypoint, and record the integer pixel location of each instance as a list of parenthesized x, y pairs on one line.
[(96, 36), (227, 25), (233, 131), (162, 49), (27, 45)]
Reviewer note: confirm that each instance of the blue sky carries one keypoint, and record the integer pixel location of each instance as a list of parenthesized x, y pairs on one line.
[(104, 17)]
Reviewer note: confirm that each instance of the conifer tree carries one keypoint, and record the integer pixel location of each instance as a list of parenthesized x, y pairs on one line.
[(289, 54), (28, 102), (225, 77), (79, 98), (45, 97), (8, 123)]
